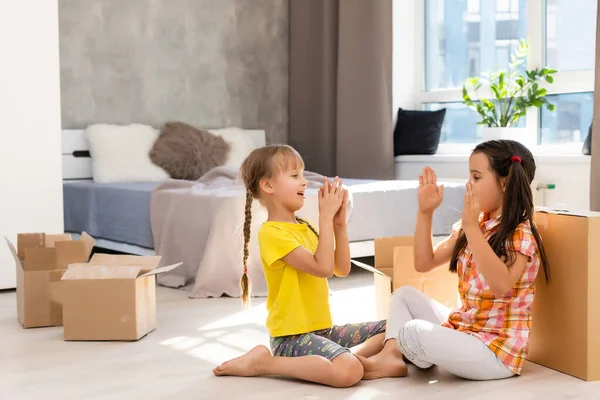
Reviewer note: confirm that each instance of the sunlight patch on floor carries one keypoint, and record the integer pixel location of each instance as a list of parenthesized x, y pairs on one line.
[(235, 334)]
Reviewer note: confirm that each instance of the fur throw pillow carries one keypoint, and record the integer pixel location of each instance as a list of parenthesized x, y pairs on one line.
[(186, 152)]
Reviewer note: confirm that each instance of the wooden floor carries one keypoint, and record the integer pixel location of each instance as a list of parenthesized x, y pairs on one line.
[(175, 361)]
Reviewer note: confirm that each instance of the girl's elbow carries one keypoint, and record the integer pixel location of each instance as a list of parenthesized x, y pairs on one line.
[(421, 267), (343, 273), (326, 273)]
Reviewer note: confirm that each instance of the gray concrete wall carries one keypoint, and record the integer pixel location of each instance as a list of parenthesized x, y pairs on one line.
[(210, 63)]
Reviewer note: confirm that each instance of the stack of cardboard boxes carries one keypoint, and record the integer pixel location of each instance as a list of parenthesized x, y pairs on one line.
[(107, 297)]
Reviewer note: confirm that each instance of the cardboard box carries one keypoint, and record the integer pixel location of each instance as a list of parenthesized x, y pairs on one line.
[(41, 259), (394, 268), (113, 297), (566, 313)]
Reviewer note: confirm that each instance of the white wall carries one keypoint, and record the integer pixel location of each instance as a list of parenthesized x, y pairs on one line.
[(30, 151), (570, 174)]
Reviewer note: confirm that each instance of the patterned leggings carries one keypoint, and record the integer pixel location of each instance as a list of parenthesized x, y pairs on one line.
[(328, 343)]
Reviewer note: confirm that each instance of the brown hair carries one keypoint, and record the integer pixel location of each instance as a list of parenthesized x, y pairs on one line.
[(263, 163), (511, 160)]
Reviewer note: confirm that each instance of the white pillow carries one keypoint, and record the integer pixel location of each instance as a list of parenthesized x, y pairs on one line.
[(120, 153), (241, 145)]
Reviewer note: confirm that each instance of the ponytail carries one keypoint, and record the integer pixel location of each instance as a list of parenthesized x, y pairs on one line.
[(518, 207)]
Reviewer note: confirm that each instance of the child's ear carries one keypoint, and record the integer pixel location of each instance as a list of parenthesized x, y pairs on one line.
[(266, 185), (503, 183)]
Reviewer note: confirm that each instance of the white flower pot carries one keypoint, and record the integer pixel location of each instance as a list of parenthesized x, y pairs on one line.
[(517, 134)]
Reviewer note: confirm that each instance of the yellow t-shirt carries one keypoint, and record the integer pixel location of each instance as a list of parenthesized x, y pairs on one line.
[(297, 302)]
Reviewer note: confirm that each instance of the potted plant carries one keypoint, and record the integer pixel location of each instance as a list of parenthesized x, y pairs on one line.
[(507, 96)]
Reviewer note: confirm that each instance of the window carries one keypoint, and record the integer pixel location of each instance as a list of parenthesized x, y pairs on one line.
[(464, 38), (570, 34), (460, 123), (571, 120)]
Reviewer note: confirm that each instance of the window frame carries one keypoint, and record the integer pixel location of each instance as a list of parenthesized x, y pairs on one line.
[(417, 96)]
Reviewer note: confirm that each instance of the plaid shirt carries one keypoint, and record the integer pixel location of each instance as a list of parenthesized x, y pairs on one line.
[(502, 323)]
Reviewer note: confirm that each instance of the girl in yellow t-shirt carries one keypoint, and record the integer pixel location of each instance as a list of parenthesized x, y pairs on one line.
[(297, 262)]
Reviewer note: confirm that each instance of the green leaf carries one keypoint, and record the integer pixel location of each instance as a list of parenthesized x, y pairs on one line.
[(494, 89), (549, 79), (489, 106)]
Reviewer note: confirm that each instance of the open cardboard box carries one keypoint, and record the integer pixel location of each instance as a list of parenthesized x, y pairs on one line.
[(566, 313), (113, 297), (394, 268), (41, 259)]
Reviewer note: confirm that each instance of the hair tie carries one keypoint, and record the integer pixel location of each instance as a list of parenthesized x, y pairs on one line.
[(515, 158)]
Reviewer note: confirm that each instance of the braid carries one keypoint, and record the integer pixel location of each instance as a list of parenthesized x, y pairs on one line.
[(312, 228), (245, 282)]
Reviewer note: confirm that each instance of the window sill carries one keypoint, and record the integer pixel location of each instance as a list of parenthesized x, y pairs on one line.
[(459, 153)]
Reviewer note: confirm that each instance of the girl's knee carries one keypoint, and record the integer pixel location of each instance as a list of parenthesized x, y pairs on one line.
[(404, 292), (348, 371), (412, 335)]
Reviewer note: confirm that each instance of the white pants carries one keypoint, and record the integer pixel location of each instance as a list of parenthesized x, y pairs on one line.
[(414, 321)]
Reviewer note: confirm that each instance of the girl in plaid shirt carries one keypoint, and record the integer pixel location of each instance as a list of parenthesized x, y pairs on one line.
[(497, 253)]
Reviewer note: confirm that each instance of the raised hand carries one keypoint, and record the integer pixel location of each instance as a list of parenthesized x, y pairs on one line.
[(471, 209), (339, 219), (430, 195), (331, 196)]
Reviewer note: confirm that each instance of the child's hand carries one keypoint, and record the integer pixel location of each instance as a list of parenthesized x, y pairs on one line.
[(429, 194), (471, 209), (339, 219), (330, 198)]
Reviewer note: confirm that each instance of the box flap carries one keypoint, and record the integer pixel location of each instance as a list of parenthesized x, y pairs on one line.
[(70, 252), (367, 267), (89, 243), (87, 271), (51, 239), (13, 251), (161, 270), (147, 263), (28, 241), (39, 259), (586, 214)]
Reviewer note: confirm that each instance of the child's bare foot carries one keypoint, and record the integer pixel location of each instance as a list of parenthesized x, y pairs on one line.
[(250, 364), (383, 366)]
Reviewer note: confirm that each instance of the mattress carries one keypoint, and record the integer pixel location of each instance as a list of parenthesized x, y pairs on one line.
[(389, 208), (120, 212)]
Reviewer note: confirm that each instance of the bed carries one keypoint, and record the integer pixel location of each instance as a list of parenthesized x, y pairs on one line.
[(118, 216)]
